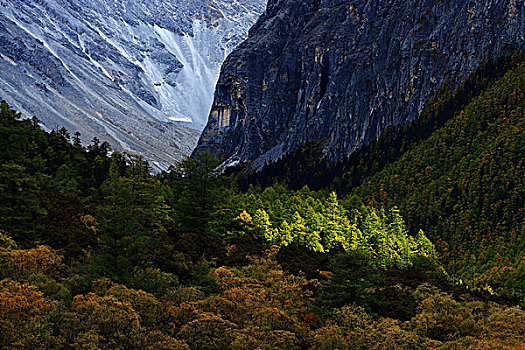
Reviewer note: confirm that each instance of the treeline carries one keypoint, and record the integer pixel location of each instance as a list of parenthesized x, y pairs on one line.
[(97, 253), (307, 166)]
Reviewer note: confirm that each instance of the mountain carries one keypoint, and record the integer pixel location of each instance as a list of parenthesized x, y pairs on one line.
[(139, 74), (456, 172), (341, 73)]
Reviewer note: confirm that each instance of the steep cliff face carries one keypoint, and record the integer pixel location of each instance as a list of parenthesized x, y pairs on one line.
[(343, 71), (139, 74)]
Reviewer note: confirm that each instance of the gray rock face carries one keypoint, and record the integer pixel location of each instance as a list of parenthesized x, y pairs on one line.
[(137, 73), (343, 71)]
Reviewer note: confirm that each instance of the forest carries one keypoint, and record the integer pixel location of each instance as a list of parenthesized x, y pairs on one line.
[(457, 173), (423, 252)]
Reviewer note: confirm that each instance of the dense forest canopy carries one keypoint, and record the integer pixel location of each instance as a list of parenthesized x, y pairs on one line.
[(425, 251)]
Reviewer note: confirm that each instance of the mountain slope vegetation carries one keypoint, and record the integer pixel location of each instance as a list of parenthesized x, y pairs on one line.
[(97, 253), (465, 186), (457, 173)]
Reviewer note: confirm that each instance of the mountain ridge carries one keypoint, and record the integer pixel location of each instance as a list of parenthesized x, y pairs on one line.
[(346, 72)]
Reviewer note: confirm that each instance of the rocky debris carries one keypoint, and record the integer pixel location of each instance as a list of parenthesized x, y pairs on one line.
[(139, 74)]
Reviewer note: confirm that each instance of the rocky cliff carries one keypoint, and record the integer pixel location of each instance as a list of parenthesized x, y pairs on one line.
[(343, 71)]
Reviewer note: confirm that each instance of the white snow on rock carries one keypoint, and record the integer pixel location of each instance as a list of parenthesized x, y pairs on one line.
[(137, 73)]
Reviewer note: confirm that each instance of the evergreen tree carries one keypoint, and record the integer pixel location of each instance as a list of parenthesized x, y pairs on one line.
[(197, 191)]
